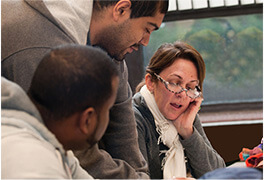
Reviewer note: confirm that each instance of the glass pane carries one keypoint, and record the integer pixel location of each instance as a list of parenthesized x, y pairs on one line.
[(232, 48)]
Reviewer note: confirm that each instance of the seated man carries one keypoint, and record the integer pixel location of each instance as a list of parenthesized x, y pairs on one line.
[(67, 108)]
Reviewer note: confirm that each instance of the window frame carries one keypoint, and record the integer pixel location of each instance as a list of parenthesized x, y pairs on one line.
[(213, 12), (220, 12)]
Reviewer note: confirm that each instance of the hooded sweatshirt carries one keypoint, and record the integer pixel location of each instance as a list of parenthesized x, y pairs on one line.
[(29, 149), (29, 29)]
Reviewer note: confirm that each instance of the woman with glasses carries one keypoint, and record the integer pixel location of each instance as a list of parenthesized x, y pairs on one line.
[(170, 134)]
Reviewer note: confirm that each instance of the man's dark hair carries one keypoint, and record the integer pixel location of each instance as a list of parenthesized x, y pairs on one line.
[(141, 8), (70, 79)]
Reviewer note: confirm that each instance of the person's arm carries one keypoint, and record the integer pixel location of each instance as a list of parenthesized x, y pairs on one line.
[(147, 137), (120, 139), (100, 165), (201, 155), (141, 134)]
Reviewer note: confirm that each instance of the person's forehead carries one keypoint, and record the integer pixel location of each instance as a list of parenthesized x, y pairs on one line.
[(178, 77), (154, 21), (180, 68)]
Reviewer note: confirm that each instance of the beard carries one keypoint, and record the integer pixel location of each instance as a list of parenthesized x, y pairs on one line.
[(113, 40), (91, 142), (98, 131)]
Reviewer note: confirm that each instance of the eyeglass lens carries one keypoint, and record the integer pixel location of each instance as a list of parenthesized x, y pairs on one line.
[(193, 93)]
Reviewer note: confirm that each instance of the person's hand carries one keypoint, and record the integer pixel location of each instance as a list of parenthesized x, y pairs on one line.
[(184, 123)]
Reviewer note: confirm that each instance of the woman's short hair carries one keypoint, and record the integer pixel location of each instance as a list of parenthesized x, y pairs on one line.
[(170, 52)]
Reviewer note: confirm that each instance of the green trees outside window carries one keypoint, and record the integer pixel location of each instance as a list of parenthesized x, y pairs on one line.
[(232, 48)]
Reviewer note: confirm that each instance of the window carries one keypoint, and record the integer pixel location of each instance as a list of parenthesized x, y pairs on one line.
[(232, 50), (229, 36)]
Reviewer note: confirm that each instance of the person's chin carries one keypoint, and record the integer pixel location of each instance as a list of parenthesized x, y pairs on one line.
[(119, 57), (168, 117), (172, 117)]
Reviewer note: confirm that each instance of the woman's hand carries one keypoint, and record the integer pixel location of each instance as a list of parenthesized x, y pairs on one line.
[(184, 123)]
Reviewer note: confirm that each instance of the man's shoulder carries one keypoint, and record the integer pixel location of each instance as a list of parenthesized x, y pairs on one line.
[(23, 138), (24, 151)]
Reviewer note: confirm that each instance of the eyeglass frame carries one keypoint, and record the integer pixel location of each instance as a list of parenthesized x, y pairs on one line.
[(182, 89)]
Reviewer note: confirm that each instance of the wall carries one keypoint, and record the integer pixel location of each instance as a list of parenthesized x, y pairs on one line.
[(229, 140)]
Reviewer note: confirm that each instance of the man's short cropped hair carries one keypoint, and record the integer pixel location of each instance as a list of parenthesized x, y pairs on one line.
[(71, 78), (139, 8)]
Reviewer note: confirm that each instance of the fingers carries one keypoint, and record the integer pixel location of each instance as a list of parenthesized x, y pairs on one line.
[(199, 100), (195, 105)]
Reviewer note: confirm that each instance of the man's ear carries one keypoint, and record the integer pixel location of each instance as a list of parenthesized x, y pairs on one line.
[(88, 121), (149, 82), (121, 8)]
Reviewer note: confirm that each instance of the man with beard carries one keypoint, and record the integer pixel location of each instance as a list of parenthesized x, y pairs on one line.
[(31, 28), (62, 112)]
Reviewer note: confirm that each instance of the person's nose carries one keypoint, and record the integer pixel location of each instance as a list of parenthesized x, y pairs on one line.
[(145, 39), (181, 94)]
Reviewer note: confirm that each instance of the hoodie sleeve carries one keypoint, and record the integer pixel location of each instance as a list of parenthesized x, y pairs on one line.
[(100, 165), (120, 139)]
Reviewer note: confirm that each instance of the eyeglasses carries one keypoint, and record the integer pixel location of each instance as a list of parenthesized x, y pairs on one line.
[(177, 88)]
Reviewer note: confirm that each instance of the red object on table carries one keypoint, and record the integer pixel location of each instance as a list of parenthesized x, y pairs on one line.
[(255, 161)]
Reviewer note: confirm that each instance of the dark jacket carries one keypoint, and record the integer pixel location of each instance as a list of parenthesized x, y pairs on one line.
[(201, 156)]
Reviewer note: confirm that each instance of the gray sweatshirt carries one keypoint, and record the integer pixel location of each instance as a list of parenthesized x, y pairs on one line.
[(28, 149)]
